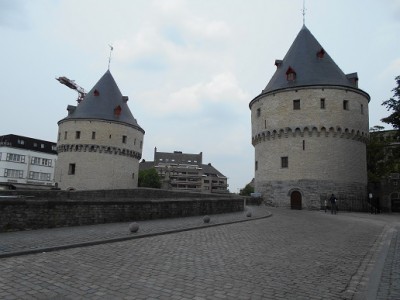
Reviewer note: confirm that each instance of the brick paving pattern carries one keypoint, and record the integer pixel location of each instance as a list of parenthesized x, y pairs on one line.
[(291, 255)]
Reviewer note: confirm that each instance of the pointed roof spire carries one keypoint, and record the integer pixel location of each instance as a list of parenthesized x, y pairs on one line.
[(104, 102), (312, 65)]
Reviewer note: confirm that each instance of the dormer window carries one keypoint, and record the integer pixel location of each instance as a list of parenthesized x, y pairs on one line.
[(290, 74), (278, 63), (321, 53), (117, 111), (96, 93)]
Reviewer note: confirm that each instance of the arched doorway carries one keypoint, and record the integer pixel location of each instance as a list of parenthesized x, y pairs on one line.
[(295, 200)]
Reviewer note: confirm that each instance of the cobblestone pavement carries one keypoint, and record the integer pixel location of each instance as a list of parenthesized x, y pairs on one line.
[(291, 255), (44, 240)]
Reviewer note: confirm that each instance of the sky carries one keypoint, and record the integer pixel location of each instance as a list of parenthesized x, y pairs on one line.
[(189, 67)]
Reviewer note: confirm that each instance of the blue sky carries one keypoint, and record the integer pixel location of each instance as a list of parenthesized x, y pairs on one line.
[(190, 68)]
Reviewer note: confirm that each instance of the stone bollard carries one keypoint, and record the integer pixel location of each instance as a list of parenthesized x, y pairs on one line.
[(133, 227), (206, 219)]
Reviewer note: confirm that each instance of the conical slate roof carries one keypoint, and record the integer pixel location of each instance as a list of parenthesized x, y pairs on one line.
[(311, 65), (104, 102)]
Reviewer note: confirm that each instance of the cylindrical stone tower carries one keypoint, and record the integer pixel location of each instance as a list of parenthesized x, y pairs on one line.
[(99, 142), (309, 131)]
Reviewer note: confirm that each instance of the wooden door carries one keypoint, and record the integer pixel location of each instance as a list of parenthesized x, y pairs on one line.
[(295, 200)]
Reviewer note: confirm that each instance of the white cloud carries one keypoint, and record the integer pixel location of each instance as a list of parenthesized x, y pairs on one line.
[(223, 89)]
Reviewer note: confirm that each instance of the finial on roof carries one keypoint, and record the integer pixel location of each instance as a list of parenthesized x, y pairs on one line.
[(109, 58), (304, 12)]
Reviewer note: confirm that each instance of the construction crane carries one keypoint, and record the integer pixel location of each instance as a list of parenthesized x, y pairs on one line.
[(72, 85)]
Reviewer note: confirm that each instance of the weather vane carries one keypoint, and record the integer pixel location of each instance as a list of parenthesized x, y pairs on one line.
[(304, 12), (109, 59)]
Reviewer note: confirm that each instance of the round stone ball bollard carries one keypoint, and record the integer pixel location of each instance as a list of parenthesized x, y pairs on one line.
[(248, 214), (206, 219), (133, 227)]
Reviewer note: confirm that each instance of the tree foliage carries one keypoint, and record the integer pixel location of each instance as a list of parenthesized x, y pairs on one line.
[(393, 105), (382, 156), (149, 178), (247, 190)]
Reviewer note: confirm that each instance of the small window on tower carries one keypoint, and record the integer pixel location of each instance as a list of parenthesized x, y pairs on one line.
[(258, 112), (290, 74), (77, 135), (117, 111), (321, 53), (256, 165), (284, 162), (345, 104), (296, 104), (322, 102), (93, 135), (362, 109), (124, 137), (71, 169)]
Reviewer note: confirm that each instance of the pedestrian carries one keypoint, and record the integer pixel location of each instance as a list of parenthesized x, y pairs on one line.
[(325, 204), (332, 199)]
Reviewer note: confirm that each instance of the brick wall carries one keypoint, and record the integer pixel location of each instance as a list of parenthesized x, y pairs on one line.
[(22, 210)]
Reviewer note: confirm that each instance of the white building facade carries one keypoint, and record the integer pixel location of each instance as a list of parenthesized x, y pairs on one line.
[(26, 163)]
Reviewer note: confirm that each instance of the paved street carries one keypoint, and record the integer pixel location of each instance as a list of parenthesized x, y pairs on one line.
[(290, 255)]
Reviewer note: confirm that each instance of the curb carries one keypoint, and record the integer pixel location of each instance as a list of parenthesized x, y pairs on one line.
[(122, 239)]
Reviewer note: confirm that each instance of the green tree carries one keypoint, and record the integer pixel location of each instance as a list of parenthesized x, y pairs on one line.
[(149, 178), (247, 190), (393, 104), (382, 156)]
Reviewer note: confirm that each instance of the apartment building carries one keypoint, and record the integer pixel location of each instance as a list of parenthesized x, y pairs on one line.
[(26, 163), (185, 171)]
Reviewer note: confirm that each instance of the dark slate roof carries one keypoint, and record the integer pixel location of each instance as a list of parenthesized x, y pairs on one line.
[(104, 102), (310, 69), (210, 170), (27, 143)]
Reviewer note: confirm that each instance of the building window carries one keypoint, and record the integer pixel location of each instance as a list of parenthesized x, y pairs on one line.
[(322, 103), (296, 104), (93, 135), (21, 142), (124, 137), (256, 165), (77, 135), (96, 93), (284, 162), (141, 144), (304, 145), (133, 175), (345, 104), (65, 135), (59, 136), (71, 169), (15, 157), (39, 176), (258, 112), (34, 144), (362, 109), (42, 146), (11, 173), (290, 74)]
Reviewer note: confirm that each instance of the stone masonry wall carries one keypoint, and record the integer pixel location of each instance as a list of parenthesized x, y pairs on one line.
[(106, 161), (22, 210), (351, 196)]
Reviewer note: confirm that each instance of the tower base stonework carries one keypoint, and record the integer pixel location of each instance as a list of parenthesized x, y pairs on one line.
[(350, 196)]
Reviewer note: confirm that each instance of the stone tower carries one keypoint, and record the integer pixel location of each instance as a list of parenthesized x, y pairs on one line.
[(99, 142), (309, 131)]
